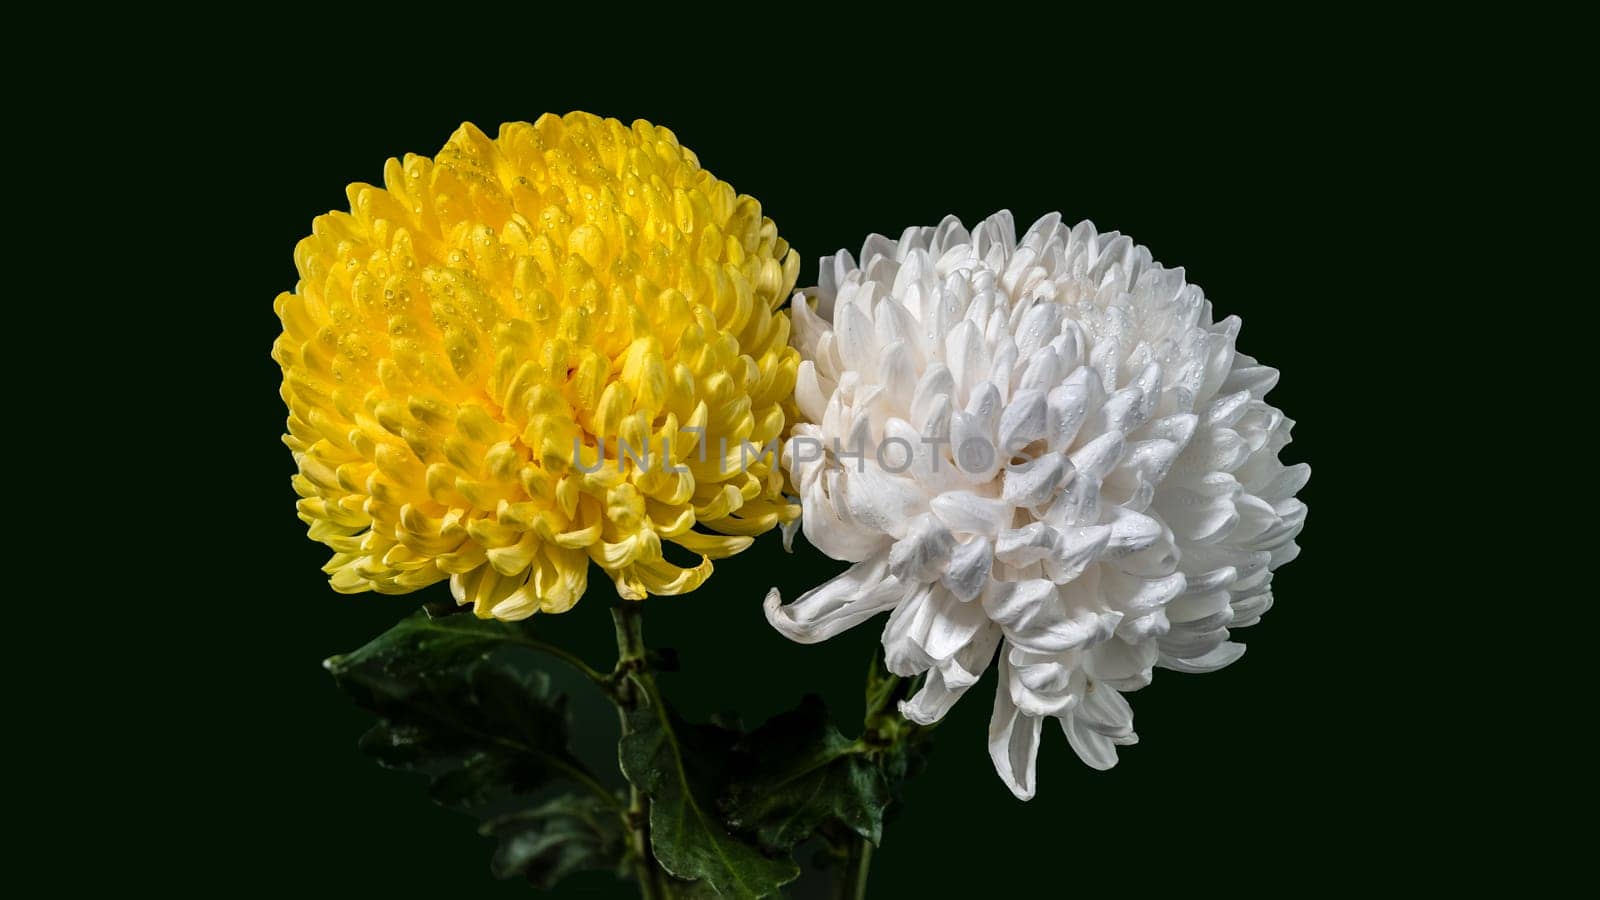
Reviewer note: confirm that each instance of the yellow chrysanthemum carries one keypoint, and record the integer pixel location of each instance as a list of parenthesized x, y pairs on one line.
[(461, 342)]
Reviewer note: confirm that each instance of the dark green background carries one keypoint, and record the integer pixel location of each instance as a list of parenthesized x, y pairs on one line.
[(1260, 184)]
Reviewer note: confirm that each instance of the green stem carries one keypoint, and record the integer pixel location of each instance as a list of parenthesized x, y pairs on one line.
[(883, 730), (883, 726), (631, 686), (856, 871)]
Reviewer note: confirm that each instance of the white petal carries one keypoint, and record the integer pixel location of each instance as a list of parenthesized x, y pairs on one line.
[(1137, 596), (1224, 655), (808, 327), (1013, 739), (788, 530), (1106, 711), (1044, 684), (955, 626), (1248, 611), (1151, 459), (876, 247), (831, 273), (1131, 532), (1122, 665), (950, 233), (1039, 324), (855, 344), (1099, 724), (1286, 484), (1096, 750), (862, 591), (932, 701), (898, 374), (808, 393), (967, 513), (883, 502), (1036, 481), (1068, 406), (1258, 380), (1078, 548), (922, 554), (936, 382), (964, 354), (1195, 517), (1205, 582), (1036, 616), (1191, 641), (827, 530), (1027, 545), (1023, 422), (984, 406), (969, 568), (1096, 459), (972, 442), (910, 622)]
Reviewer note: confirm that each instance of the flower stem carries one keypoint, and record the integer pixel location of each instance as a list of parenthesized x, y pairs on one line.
[(883, 731), (631, 688), (855, 872)]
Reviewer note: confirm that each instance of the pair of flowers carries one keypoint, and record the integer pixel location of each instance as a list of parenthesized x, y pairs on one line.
[(1083, 482)]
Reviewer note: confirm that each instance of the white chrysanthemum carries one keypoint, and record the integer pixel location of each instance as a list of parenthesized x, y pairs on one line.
[(1062, 458)]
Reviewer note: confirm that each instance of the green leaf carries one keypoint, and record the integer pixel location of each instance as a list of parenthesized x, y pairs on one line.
[(682, 767), (421, 642), (799, 773), (488, 737), (479, 729), (424, 642), (548, 843)]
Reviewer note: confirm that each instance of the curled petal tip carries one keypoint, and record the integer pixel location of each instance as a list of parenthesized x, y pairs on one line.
[(916, 714), (778, 617)]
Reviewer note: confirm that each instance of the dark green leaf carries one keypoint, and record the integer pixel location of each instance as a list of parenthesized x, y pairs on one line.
[(682, 768), (797, 773), (420, 643), (548, 843), (488, 737), (479, 729)]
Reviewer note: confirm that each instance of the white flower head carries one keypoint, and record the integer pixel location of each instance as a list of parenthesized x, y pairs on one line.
[(1046, 449)]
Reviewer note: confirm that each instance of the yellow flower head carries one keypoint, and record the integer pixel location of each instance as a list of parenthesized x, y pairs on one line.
[(469, 347)]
